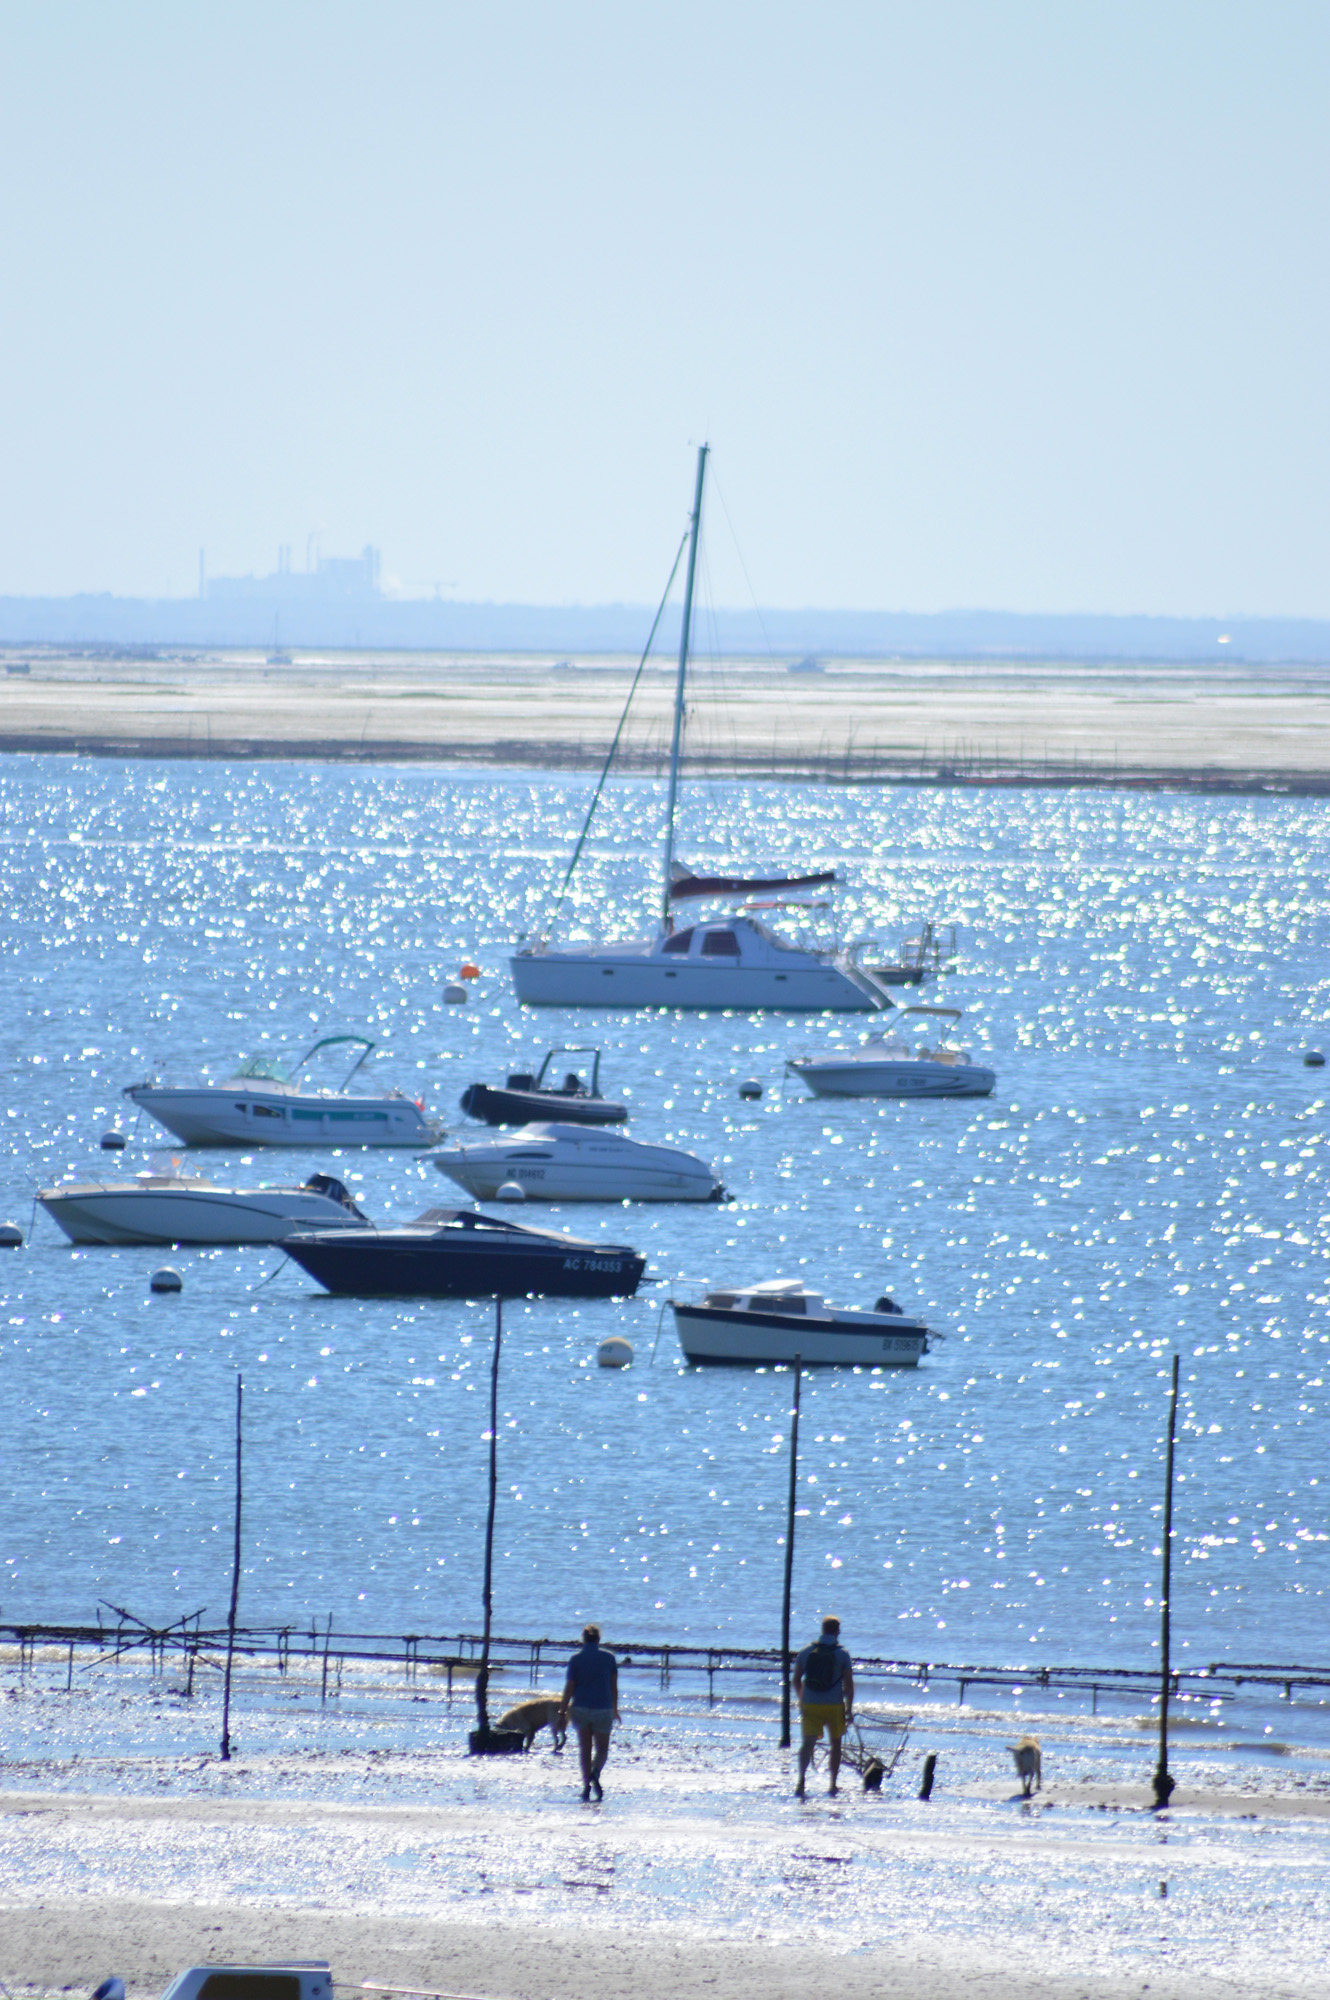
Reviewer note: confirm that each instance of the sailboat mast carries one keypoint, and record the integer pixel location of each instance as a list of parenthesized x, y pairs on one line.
[(684, 637)]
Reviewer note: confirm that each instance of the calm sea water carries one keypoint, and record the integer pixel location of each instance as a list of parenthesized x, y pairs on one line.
[(1143, 972)]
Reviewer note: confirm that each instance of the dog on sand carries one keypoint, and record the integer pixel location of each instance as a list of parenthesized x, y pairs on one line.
[(533, 1716), (1029, 1764)]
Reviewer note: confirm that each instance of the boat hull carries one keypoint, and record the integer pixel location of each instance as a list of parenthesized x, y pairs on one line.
[(894, 1079), (604, 979), (137, 1215), (552, 1181), (237, 1116), (527, 1107), (715, 1334), (393, 1268)]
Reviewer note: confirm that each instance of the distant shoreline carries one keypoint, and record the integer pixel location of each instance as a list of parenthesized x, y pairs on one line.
[(1215, 730), (846, 768)]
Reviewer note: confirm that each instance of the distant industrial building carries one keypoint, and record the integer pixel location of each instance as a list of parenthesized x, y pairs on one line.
[(337, 577)]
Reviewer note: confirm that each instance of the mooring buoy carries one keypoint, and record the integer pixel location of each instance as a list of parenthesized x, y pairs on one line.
[(750, 1089), (166, 1280), (616, 1352), (113, 1142), (1314, 1059), (511, 1191), (11, 1236), (455, 994)]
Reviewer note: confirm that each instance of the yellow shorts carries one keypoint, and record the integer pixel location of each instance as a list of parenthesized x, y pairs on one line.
[(815, 1716)]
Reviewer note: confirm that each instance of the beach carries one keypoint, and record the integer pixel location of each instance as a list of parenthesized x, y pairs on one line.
[(364, 1834), (1029, 722)]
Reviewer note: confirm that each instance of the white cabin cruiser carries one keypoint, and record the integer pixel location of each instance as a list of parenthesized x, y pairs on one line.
[(577, 1163), (885, 1065), (735, 964), (182, 1208), (780, 1320), (265, 1104)]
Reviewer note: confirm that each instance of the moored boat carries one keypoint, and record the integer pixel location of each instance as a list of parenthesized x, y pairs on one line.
[(736, 964), (571, 1163), (452, 1253), (180, 1208), (781, 1320), (887, 1065), (526, 1097), (265, 1104)]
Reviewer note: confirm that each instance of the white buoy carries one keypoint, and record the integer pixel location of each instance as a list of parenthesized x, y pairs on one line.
[(616, 1352), (750, 1089), (11, 1236), (166, 1280), (113, 1142), (511, 1191), (455, 994)]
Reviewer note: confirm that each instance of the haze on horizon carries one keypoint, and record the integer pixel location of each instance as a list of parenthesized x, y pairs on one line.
[(1011, 305)]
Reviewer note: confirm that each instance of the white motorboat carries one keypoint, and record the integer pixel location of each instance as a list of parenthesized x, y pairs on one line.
[(736, 964), (265, 1103), (182, 1208), (576, 1163), (781, 1320), (886, 1065)]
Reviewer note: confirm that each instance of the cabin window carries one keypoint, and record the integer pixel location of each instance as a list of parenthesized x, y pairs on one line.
[(250, 1986), (266, 1111), (779, 1305), (720, 944), (679, 942)]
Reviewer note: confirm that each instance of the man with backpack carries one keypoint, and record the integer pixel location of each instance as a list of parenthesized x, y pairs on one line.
[(824, 1690)]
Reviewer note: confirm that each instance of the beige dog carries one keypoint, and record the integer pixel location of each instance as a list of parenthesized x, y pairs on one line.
[(1029, 1764), (533, 1716)]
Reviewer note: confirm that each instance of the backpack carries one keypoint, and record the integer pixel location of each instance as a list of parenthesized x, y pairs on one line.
[(822, 1669)]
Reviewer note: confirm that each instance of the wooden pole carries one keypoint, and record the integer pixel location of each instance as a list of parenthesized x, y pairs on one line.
[(483, 1677), (789, 1565), (235, 1584), (1163, 1783)]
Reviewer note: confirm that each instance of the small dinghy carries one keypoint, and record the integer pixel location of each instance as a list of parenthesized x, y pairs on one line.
[(570, 1163), (525, 1098), (781, 1320), (180, 1208), (887, 1066), (458, 1253)]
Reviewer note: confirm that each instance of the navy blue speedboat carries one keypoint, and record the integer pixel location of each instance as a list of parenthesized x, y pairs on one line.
[(458, 1253)]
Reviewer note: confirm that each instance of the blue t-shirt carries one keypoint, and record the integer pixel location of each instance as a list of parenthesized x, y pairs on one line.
[(591, 1676), (836, 1691)]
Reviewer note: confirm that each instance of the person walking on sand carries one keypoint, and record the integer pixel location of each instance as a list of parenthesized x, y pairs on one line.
[(824, 1690), (591, 1697)]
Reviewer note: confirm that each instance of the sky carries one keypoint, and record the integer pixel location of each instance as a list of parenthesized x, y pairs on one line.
[(980, 303)]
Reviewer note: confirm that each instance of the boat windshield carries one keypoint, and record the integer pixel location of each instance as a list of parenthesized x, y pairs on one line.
[(263, 1069)]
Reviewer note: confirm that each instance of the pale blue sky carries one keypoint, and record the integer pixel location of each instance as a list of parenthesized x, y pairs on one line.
[(1007, 304)]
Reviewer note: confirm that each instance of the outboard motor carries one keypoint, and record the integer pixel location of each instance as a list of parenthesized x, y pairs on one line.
[(335, 1191), (522, 1080)]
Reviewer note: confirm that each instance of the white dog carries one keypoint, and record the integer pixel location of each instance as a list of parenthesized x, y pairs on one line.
[(1029, 1764)]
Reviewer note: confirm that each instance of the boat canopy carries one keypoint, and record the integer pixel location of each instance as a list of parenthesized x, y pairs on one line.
[(684, 883)]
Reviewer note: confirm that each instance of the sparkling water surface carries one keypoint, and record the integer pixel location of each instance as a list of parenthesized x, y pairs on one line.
[(1144, 972)]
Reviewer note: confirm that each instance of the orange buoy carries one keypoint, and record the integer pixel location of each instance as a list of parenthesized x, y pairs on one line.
[(469, 971)]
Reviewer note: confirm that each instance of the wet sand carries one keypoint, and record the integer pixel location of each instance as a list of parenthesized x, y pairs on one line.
[(1229, 727)]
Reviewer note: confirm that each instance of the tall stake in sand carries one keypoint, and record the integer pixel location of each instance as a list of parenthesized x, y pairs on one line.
[(235, 1588), (789, 1565), (483, 1677), (1163, 1783)]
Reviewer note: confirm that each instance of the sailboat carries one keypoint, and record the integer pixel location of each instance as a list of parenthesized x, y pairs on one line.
[(734, 962)]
